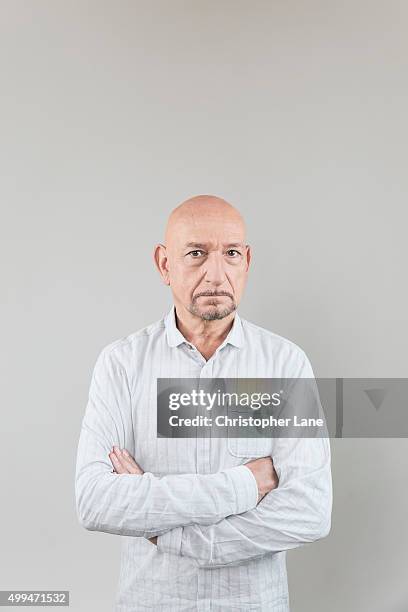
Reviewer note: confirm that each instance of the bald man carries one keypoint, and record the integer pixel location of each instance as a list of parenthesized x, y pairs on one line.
[(205, 521)]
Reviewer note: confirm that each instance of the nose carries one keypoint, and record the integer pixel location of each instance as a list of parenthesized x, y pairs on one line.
[(215, 273)]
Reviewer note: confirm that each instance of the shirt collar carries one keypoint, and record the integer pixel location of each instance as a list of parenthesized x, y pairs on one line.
[(175, 337)]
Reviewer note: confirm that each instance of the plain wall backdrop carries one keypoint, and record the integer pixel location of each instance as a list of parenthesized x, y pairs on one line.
[(114, 112)]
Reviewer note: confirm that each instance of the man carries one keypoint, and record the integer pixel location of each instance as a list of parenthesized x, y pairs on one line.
[(205, 523)]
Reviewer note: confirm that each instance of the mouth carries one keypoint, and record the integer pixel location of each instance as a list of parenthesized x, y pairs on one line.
[(213, 297)]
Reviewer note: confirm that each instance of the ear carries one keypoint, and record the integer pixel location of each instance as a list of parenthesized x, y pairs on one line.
[(161, 261), (248, 256)]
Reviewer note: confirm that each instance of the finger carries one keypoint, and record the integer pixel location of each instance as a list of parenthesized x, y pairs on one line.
[(127, 462), (117, 466), (131, 467), (131, 463), (121, 457), (117, 463)]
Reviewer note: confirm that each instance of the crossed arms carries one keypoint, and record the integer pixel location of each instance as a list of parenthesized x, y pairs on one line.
[(215, 519)]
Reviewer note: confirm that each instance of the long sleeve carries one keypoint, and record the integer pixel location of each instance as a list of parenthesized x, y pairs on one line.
[(298, 511), (142, 505)]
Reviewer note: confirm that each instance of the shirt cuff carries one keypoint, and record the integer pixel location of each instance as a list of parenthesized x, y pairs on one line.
[(246, 488), (170, 542)]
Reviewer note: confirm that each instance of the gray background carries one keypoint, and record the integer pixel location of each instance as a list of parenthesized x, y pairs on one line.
[(114, 112)]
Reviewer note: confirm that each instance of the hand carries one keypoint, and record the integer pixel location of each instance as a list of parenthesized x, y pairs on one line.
[(123, 462), (265, 475)]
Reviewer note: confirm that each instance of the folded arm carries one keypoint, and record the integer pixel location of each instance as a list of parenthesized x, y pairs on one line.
[(143, 505), (296, 512)]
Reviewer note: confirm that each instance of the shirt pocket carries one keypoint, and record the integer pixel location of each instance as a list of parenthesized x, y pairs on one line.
[(246, 446)]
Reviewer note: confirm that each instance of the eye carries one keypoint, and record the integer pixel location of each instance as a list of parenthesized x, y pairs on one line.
[(195, 254), (233, 252)]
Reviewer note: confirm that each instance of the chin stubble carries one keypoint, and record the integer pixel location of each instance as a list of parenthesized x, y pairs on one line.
[(211, 315)]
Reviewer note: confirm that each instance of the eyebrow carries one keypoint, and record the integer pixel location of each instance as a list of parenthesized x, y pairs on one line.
[(201, 245)]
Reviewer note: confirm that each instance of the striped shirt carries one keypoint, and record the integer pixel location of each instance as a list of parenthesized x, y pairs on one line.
[(217, 548)]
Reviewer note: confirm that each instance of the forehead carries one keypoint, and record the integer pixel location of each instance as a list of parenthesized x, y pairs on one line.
[(210, 228)]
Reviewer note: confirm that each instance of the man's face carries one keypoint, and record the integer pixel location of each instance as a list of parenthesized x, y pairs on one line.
[(208, 262)]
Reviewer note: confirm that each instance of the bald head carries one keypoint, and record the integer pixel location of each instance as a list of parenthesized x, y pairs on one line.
[(193, 213)]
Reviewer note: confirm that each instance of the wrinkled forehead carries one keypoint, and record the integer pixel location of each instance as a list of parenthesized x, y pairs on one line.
[(207, 227)]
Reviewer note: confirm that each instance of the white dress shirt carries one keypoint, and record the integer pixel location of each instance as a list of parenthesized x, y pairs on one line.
[(217, 549)]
